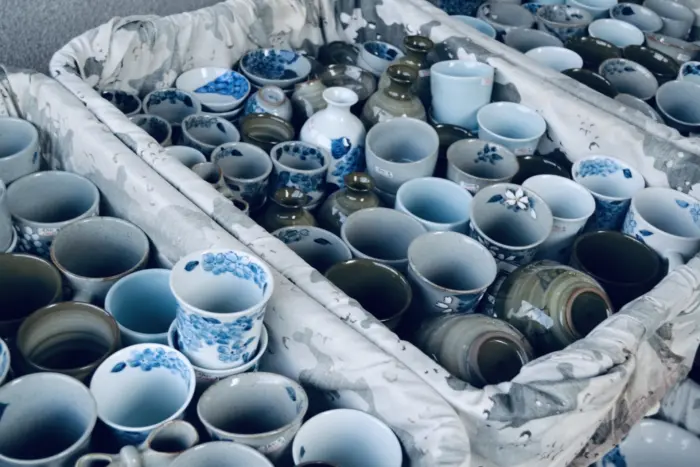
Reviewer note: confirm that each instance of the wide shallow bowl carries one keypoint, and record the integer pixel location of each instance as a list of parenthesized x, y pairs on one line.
[(278, 67), (219, 89)]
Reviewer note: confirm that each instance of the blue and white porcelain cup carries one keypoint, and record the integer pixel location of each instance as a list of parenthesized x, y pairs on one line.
[(246, 170), (47, 420), (666, 220), (126, 102), (678, 19), (512, 222), (143, 306), (205, 133), (19, 149), (571, 204), (376, 56), (173, 105), (269, 100), (157, 128), (459, 89), (300, 165), (512, 125), (219, 89), (436, 203), (318, 247), (597, 8), (474, 164), (223, 295), (612, 183), (677, 102), (159, 382), (618, 33), (637, 15), (689, 71), (450, 271)]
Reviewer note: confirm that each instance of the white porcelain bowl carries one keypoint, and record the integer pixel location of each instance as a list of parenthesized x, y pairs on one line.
[(219, 89), (278, 67)]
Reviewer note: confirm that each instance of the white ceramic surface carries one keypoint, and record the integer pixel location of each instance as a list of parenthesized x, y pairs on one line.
[(556, 58), (436, 203), (459, 89), (678, 102), (219, 89), (512, 125), (637, 15), (377, 56), (19, 149), (269, 100), (616, 32), (629, 77)]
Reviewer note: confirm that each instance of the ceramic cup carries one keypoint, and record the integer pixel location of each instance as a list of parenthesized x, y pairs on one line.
[(459, 89), (19, 149), (625, 267), (571, 204), (246, 170), (504, 17), (480, 25), (222, 293), (597, 8), (514, 126), (637, 15), (210, 173), (638, 104), (126, 102), (556, 58), (612, 183), (318, 247), (260, 410), (436, 203), (265, 131), (94, 253), (592, 80), (171, 104), (399, 150), (27, 283), (206, 377), (269, 100), (381, 290), (157, 128), (677, 102), (71, 338), (524, 40), (205, 132), (666, 220), (189, 157), (382, 235), (43, 203), (678, 49), (47, 420), (618, 33), (450, 272), (593, 51), (475, 164), (143, 306), (564, 21), (678, 19), (221, 454), (376, 56), (629, 77), (690, 71), (512, 222), (7, 233), (300, 165), (159, 381), (333, 437), (5, 361), (219, 89)]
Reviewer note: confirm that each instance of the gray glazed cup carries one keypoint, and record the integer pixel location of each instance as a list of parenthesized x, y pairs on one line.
[(246, 170), (19, 149), (47, 420), (474, 164), (7, 233), (93, 254), (43, 203), (400, 150)]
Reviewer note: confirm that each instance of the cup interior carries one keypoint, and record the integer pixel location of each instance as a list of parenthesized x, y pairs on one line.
[(158, 128), (142, 302), (435, 200), (299, 156), (381, 233), (680, 100), (670, 10), (52, 197), (402, 140), (26, 284), (607, 177), (668, 211), (566, 199), (511, 121), (207, 171), (318, 247), (211, 131), (483, 160), (100, 247), (614, 257), (16, 136), (171, 104), (499, 360), (242, 161), (44, 415)]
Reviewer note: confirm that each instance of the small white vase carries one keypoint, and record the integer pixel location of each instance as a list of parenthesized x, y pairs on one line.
[(338, 131)]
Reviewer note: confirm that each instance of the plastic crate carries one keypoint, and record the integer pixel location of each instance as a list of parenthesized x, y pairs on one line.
[(567, 407)]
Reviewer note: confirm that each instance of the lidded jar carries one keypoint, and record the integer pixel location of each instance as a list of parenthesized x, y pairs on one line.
[(551, 304), (287, 210), (396, 100), (417, 49), (356, 195)]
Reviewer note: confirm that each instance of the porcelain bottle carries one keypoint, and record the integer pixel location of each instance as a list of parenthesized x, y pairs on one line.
[(338, 131), (287, 210), (396, 100), (417, 49), (357, 194)]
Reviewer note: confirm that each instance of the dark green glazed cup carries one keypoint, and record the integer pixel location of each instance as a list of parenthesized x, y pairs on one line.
[(592, 80), (538, 165), (593, 51), (663, 67)]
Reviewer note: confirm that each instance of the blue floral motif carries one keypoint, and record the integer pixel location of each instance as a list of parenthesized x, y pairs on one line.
[(693, 208), (609, 215), (123, 101), (172, 96), (300, 151), (340, 147), (464, 304), (601, 167), (459, 7), (622, 10), (232, 339), (347, 159), (629, 227), (488, 153), (514, 257), (614, 458), (253, 107), (532, 7), (155, 357), (271, 64), (690, 69), (306, 183), (381, 50), (617, 66), (516, 201), (240, 266), (228, 84), (293, 235)]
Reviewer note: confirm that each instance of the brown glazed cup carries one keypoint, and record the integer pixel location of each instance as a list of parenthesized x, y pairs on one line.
[(71, 338), (27, 283)]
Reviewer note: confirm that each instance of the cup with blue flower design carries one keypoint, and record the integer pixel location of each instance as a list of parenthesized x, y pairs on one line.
[(220, 89), (246, 170), (269, 100), (300, 165), (318, 247), (376, 56), (159, 382), (512, 125), (666, 220), (206, 132), (450, 271), (512, 222), (474, 164), (612, 183), (223, 295)]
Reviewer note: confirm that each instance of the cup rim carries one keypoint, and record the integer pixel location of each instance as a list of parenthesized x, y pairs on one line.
[(145, 117), (326, 158), (587, 17), (681, 76), (590, 200), (435, 182), (635, 175), (679, 84), (134, 95), (541, 122), (90, 424), (338, 241), (450, 156), (395, 121), (254, 376), (54, 271), (268, 161), (34, 137), (56, 174), (436, 68), (196, 105), (218, 120), (663, 190)]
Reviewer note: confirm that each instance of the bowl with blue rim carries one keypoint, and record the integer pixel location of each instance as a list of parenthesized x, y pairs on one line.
[(219, 89), (278, 67)]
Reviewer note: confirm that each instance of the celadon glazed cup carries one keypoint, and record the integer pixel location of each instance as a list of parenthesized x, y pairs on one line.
[(261, 410), (474, 164), (459, 89), (246, 170), (514, 126), (47, 420), (43, 203), (450, 272), (222, 295), (160, 384), (436, 203), (19, 149), (512, 222), (666, 220)]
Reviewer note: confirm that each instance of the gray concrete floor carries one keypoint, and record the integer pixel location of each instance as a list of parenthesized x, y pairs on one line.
[(32, 30)]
